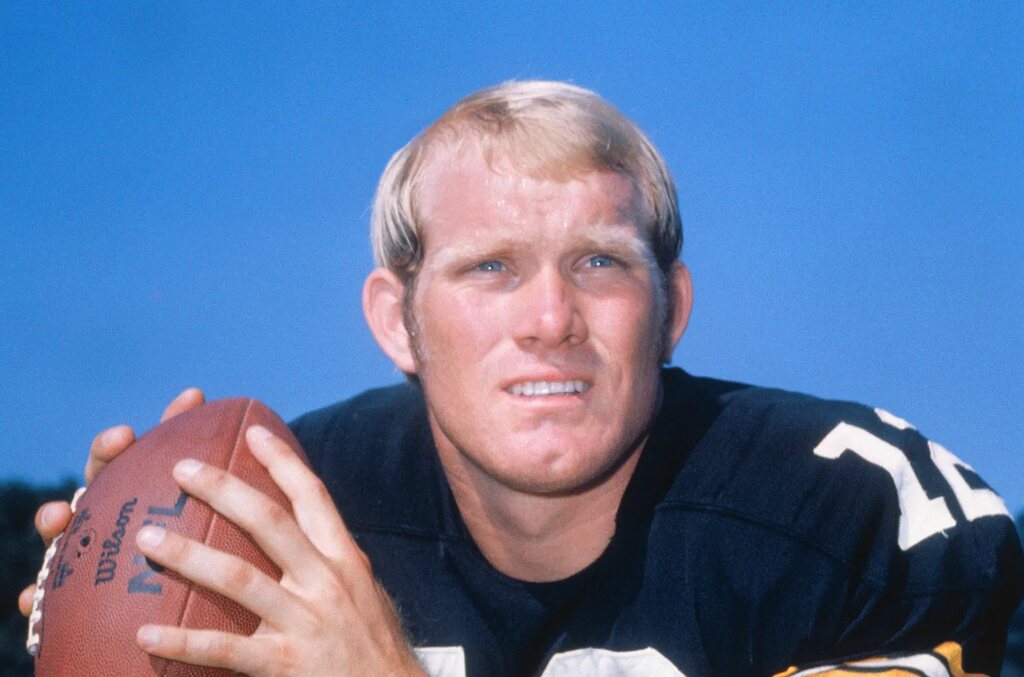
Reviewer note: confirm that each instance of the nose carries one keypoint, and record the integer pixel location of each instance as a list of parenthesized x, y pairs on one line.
[(549, 312)]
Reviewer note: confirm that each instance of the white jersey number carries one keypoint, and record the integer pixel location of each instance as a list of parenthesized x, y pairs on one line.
[(450, 661), (920, 516)]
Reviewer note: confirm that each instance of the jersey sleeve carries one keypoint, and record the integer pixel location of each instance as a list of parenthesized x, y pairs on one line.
[(934, 549)]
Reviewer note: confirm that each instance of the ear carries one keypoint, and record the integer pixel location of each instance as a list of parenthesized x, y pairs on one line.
[(383, 297), (681, 287)]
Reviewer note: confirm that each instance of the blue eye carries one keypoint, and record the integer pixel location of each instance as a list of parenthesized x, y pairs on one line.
[(600, 262), (490, 266)]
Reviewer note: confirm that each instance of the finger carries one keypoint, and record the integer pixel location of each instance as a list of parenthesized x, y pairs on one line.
[(25, 600), (109, 444), (190, 398), (205, 647), (270, 524), (105, 448), (220, 572), (312, 505), (52, 518)]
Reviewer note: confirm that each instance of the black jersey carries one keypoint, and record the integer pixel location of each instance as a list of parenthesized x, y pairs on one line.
[(763, 532)]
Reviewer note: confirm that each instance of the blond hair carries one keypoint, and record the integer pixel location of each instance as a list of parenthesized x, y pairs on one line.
[(549, 129)]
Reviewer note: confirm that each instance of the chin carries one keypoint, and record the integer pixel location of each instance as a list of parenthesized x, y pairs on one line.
[(560, 477)]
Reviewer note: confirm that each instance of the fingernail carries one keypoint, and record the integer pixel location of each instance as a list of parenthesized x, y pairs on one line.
[(147, 637), (150, 536), (109, 436), (187, 467), (259, 432), (48, 516)]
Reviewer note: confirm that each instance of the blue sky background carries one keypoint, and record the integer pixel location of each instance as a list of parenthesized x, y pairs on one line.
[(184, 194)]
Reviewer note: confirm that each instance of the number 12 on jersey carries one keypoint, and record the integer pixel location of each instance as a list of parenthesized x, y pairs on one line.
[(920, 516)]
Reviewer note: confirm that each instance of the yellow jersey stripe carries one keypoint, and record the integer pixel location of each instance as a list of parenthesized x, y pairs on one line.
[(944, 661)]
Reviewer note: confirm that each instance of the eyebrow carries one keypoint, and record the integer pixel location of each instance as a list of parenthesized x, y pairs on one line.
[(606, 239), (618, 242), (474, 249)]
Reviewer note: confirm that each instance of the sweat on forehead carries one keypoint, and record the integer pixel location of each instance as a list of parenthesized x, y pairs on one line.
[(445, 176), (470, 212)]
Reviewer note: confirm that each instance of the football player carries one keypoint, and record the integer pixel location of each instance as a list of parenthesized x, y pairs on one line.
[(543, 496)]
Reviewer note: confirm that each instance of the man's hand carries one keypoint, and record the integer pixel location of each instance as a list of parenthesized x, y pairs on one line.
[(53, 517), (327, 615)]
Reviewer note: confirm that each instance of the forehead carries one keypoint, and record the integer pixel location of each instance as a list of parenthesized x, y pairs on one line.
[(461, 192)]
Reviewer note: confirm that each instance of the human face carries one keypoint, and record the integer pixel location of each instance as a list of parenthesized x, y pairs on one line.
[(539, 323)]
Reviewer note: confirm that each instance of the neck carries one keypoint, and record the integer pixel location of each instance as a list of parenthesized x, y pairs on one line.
[(537, 537)]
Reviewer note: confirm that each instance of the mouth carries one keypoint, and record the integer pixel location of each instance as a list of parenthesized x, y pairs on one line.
[(548, 388)]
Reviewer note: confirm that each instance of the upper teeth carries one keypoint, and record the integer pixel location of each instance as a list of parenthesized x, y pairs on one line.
[(531, 388)]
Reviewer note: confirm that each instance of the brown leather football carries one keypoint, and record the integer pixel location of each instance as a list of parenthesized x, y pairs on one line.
[(99, 588)]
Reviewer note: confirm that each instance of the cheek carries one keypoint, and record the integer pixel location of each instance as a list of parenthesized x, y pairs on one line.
[(456, 330), (631, 329)]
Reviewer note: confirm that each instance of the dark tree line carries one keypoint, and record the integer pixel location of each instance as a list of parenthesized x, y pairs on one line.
[(21, 552)]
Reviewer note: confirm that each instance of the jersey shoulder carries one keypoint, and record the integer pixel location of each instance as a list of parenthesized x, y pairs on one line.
[(374, 452), (368, 419), (856, 482), (886, 545)]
